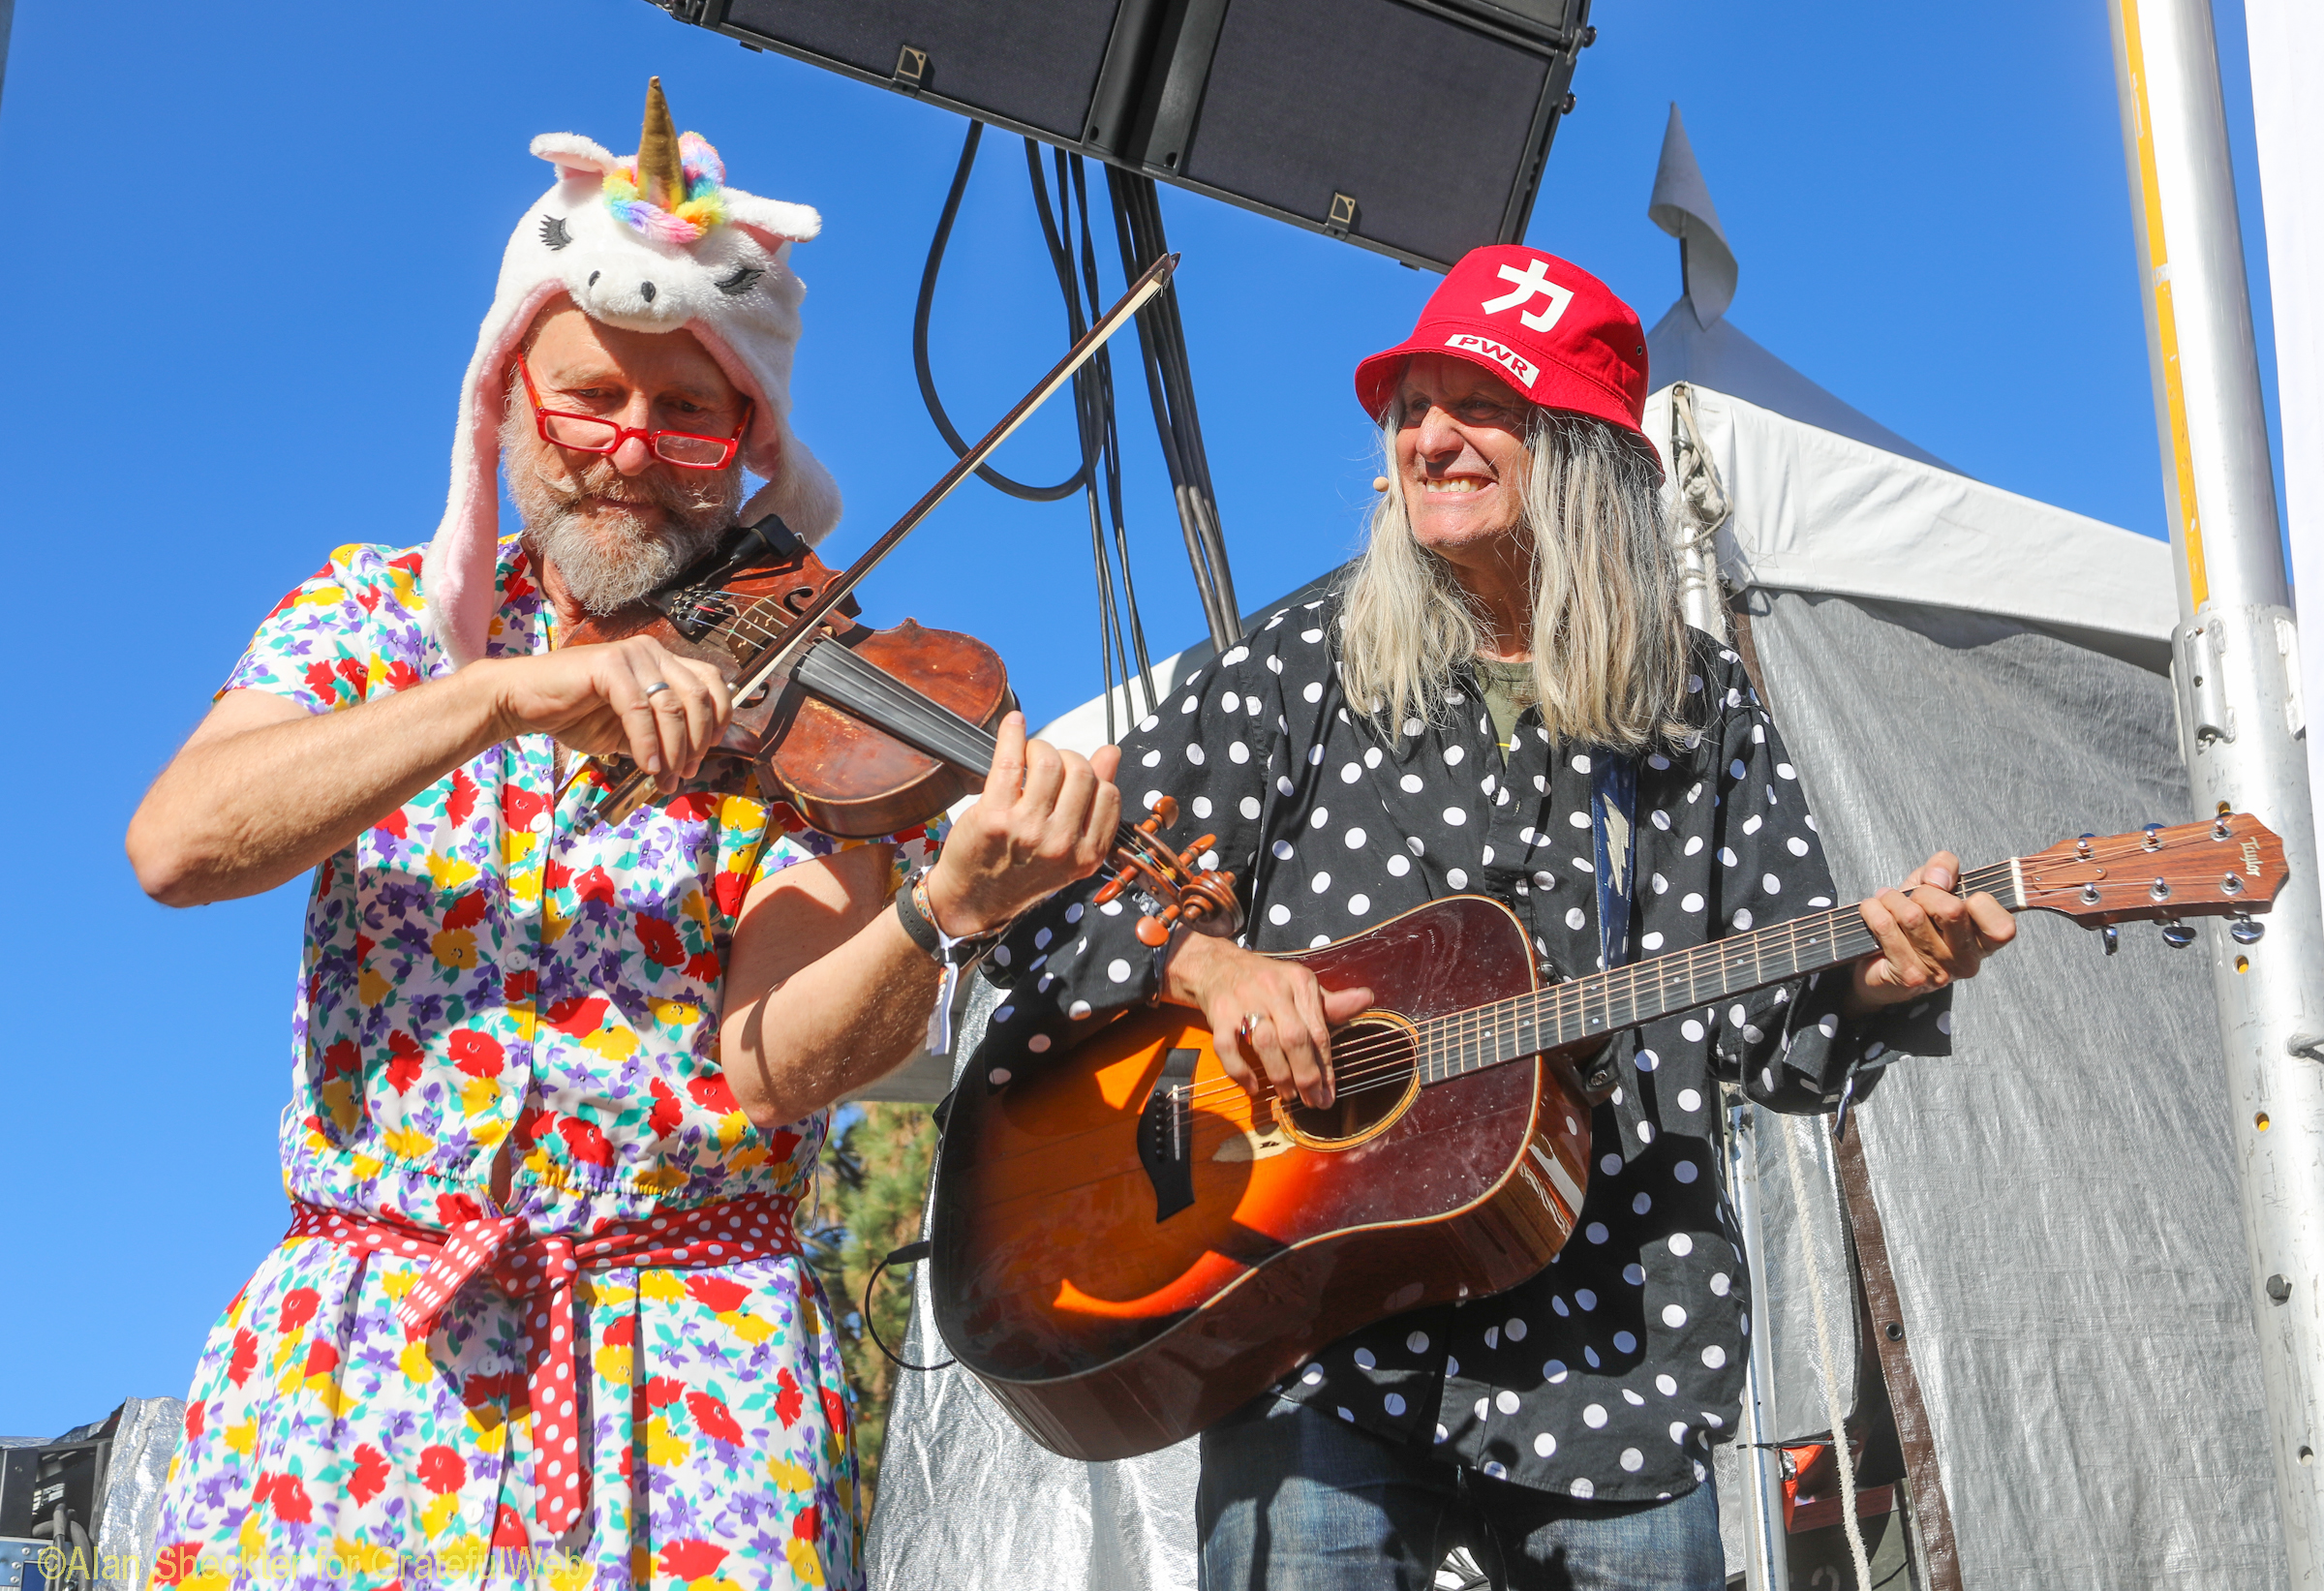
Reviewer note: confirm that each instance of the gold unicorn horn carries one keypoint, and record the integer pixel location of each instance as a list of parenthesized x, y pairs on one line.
[(660, 176)]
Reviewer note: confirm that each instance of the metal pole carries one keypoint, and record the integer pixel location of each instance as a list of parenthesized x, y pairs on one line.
[(2239, 718), (1766, 1549), (2286, 44)]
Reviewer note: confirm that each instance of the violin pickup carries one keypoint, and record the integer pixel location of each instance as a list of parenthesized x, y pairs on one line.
[(696, 601), (1166, 1135)]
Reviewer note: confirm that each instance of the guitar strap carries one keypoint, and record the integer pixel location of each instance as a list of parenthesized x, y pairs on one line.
[(1613, 811)]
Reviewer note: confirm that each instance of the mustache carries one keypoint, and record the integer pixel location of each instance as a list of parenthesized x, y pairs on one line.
[(655, 489)]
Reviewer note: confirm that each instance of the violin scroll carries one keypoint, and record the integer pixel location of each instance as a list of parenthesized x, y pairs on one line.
[(1168, 886)]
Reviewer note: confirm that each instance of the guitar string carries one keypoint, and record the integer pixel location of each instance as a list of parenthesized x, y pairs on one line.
[(1567, 1004)]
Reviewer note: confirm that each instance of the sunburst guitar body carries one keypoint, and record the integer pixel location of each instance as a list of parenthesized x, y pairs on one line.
[(1125, 1247)]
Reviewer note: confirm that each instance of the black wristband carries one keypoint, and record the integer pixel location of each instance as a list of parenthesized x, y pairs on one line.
[(922, 932)]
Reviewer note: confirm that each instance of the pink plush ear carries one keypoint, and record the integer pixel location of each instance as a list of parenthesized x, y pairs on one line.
[(770, 220), (457, 578), (574, 156)]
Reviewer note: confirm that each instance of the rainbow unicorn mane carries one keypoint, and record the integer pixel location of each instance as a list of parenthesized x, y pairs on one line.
[(705, 204)]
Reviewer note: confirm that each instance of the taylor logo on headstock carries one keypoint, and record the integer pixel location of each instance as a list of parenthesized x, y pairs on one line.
[(2230, 867)]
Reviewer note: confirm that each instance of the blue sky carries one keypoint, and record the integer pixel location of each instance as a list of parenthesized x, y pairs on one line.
[(253, 245)]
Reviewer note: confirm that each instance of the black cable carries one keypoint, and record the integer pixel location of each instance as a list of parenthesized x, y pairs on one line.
[(927, 380), (909, 1254), (1061, 260), (1111, 442), (1170, 390), (1122, 628)]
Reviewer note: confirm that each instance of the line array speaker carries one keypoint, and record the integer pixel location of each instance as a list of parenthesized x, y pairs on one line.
[(1416, 128)]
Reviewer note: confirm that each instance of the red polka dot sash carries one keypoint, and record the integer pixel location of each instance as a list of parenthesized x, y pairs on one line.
[(541, 1272)]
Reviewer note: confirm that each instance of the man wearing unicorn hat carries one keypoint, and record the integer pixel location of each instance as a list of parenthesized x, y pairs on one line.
[(558, 1087)]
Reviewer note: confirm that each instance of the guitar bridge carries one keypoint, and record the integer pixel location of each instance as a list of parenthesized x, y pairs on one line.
[(1166, 1135)]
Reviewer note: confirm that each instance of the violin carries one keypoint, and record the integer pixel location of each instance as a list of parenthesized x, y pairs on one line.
[(823, 746), (873, 730)]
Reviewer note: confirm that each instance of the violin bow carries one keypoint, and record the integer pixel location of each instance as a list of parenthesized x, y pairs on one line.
[(783, 661)]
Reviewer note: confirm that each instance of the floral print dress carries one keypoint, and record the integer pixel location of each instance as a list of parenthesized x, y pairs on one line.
[(482, 970)]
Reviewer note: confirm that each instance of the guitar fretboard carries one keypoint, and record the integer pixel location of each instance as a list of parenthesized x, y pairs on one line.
[(1632, 996)]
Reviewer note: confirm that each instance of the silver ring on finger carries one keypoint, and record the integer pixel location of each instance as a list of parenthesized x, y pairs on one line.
[(656, 687), (1250, 1022)]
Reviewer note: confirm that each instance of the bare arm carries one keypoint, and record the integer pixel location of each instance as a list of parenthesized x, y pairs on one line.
[(825, 992), (845, 994), (264, 792)]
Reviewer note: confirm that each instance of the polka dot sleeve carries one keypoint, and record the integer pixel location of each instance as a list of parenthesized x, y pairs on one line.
[(1793, 1046)]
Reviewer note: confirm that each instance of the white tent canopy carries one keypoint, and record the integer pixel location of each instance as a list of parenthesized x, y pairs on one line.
[(1816, 510), (1719, 356)]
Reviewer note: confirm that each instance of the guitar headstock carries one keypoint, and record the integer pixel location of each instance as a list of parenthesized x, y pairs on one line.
[(2229, 867)]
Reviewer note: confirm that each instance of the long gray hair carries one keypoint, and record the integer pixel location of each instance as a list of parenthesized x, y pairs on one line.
[(1610, 638)]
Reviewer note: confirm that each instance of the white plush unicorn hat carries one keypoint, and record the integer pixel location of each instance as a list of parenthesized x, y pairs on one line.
[(653, 243)]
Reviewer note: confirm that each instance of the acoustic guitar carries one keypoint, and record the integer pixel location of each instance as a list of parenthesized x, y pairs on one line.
[(1125, 1248)]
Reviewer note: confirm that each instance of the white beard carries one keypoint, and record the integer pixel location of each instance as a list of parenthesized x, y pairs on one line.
[(610, 564)]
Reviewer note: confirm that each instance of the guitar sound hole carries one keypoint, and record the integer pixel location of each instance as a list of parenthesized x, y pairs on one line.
[(1372, 1061)]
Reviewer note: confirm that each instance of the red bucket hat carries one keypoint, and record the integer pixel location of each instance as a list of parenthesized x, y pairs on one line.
[(1546, 326)]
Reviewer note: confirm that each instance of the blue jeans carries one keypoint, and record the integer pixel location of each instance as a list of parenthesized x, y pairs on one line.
[(1294, 1500)]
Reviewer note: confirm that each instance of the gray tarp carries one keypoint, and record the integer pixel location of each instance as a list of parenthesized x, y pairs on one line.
[(2059, 1193)]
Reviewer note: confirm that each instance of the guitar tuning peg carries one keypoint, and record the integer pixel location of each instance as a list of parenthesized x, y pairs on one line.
[(2082, 845), (2244, 931), (2112, 940), (2178, 935)]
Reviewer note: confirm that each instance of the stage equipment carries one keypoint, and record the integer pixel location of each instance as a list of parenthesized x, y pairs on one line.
[(1415, 128), (2241, 725), (51, 1498)]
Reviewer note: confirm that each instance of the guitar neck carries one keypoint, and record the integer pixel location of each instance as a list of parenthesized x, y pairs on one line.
[(1643, 991)]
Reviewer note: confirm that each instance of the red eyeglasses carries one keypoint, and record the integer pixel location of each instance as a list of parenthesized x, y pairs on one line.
[(591, 434)]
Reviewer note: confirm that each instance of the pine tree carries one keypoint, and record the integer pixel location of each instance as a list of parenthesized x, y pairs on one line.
[(877, 1160)]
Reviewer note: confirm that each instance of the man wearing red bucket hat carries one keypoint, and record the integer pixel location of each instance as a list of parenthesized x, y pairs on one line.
[(1502, 698)]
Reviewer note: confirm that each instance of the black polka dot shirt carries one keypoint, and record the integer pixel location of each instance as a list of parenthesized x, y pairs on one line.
[(1611, 1372)]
